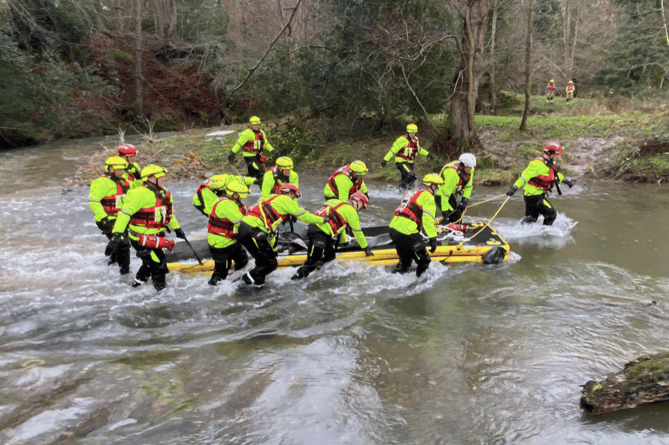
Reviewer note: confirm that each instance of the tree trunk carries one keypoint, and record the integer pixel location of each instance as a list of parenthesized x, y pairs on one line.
[(139, 79), (165, 18), (493, 58), (528, 67)]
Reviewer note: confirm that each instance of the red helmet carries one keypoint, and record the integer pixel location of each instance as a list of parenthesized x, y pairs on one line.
[(127, 149), (553, 147), (360, 197), (286, 188)]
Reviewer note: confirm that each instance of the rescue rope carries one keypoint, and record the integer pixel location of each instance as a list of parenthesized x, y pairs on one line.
[(490, 221)]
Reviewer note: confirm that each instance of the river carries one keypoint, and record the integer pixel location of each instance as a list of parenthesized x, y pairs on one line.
[(467, 354)]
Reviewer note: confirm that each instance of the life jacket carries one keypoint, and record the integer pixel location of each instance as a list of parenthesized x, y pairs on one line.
[(202, 186), (335, 220), (346, 170), (551, 87), (276, 172), (409, 152), (462, 175), (159, 215), (264, 206), (545, 182), (256, 145), (409, 207), (222, 226), (113, 203)]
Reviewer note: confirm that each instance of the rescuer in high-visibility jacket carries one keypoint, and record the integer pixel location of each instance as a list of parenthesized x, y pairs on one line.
[(454, 194), (345, 181), (105, 200), (223, 229), (570, 91), (538, 178), (212, 189), (253, 143), (129, 153), (414, 215), (275, 177), (323, 236), (551, 88), (147, 213), (257, 232), (405, 149)]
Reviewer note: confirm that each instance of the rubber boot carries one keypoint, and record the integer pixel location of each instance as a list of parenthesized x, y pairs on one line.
[(159, 282)]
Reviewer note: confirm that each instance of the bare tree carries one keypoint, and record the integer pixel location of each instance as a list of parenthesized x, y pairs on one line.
[(528, 65)]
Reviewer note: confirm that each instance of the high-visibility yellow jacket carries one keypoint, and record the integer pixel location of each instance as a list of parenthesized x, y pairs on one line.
[(454, 184), (252, 143), (272, 180), (404, 152), (228, 212), (342, 215), (269, 213), (536, 168), (427, 206), (106, 196), (146, 210)]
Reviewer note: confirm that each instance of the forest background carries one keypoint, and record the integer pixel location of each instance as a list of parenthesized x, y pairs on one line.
[(331, 74)]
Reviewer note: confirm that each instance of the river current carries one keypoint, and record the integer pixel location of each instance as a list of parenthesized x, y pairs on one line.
[(466, 354)]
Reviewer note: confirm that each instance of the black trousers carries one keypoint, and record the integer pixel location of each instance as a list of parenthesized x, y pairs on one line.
[(223, 257), (122, 253), (254, 167), (410, 248), (321, 249), (257, 243), (408, 176), (453, 215), (539, 205), (150, 268)]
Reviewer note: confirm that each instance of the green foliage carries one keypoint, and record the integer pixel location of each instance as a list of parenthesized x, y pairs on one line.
[(294, 140)]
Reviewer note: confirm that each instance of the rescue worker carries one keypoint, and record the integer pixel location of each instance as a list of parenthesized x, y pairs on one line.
[(257, 232), (538, 179), (323, 236), (210, 190), (551, 88), (405, 149), (281, 173), (253, 142), (346, 181), (129, 153), (147, 212), (106, 199), (458, 179), (223, 228), (570, 90), (414, 215)]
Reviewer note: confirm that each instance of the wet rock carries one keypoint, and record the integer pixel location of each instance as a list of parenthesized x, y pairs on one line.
[(643, 381)]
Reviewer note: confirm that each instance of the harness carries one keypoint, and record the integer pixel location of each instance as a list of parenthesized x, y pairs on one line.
[(409, 152), (159, 215), (545, 182), (264, 211), (346, 170), (462, 175), (222, 226), (255, 146), (336, 221), (409, 207), (112, 204)]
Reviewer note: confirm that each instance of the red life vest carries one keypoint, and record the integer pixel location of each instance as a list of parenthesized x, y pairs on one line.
[(278, 180), (147, 217), (409, 207), (411, 148), (346, 170), (270, 213), (551, 86), (109, 202), (256, 145), (222, 226), (336, 221), (463, 176), (545, 182)]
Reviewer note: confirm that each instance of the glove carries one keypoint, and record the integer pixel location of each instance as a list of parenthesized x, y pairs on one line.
[(105, 225), (463, 204), (433, 245), (512, 190), (112, 246), (384, 163), (231, 158), (180, 233), (368, 251), (326, 218), (569, 182)]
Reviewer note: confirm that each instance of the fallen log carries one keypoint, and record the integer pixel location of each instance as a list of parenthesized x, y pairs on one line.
[(642, 381)]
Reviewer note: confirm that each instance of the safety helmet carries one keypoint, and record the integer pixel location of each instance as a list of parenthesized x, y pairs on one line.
[(286, 188), (284, 162), (217, 182), (571, 81), (361, 198), (412, 128), (127, 149), (153, 170), (237, 187), (117, 162), (432, 178), (468, 160), (553, 147), (358, 167), (552, 80), (255, 120)]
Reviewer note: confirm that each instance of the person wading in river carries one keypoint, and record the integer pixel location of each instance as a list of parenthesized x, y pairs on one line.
[(129, 153), (458, 179), (275, 177), (538, 178), (405, 149), (209, 192), (148, 212), (414, 215), (253, 142)]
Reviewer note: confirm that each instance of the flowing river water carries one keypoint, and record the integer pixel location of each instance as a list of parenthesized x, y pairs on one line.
[(467, 354)]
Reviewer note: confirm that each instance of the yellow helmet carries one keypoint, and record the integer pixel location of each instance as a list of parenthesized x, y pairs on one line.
[(412, 128), (237, 187), (255, 120), (217, 182), (284, 162), (117, 162), (153, 170), (432, 178), (358, 167), (552, 80), (571, 81)]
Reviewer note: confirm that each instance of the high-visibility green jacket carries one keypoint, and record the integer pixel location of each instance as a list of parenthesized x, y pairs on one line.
[(349, 217), (281, 205), (135, 171), (344, 185), (404, 152), (106, 196), (143, 201), (205, 198), (539, 169), (272, 180), (454, 184), (409, 226), (252, 144), (226, 210)]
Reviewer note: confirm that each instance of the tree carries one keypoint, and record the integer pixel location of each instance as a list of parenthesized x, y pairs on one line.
[(528, 67)]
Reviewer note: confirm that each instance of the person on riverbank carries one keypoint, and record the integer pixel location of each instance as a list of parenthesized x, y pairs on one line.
[(257, 232), (345, 181), (129, 153), (275, 177), (147, 213), (538, 180), (323, 236), (223, 228), (253, 143), (105, 200), (551, 89), (570, 91), (209, 192), (405, 149), (454, 194), (416, 214)]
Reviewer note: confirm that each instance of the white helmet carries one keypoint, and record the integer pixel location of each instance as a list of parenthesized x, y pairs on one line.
[(468, 160)]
